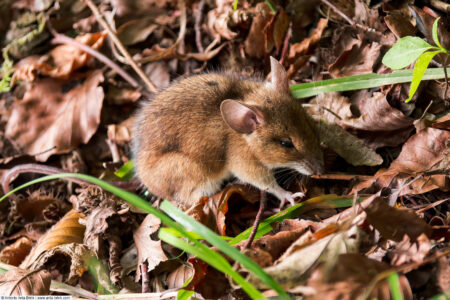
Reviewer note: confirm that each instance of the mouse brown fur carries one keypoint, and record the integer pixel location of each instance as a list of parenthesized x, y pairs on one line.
[(207, 128)]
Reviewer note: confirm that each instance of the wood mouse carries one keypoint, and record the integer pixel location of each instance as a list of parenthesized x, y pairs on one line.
[(207, 128)]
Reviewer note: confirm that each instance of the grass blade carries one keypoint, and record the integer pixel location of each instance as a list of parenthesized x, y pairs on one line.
[(181, 218), (358, 82), (222, 245), (419, 69), (325, 201), (394, 285), (212, 258)]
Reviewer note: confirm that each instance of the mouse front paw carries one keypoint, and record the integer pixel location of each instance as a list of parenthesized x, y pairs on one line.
[(290, 197)]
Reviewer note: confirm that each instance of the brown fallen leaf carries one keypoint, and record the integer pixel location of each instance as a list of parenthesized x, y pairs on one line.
[(299, 53), (393, 223), (149, 250), (360, 59), (351, 277), (427, 150), (293, 268), (61, 62), (255, 44), (348, 146), (15, 253), (67, 231), (408, 251), (66, 261), (377, 115), (18, 282), (56, 116)]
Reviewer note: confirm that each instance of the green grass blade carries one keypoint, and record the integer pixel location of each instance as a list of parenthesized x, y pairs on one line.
[(405, 51), (394, 285), (144, 205), (435, 33), (358, 82), (419, 69), (222, 245), (126, 171), (213, 259), (325, 201)]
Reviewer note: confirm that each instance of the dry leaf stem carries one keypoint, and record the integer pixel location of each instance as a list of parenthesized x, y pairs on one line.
[(150, 85)]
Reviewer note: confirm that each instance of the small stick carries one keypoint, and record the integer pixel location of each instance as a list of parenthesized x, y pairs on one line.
[(145, 278), (341, 176), (262, 206), (198, 21), (345, 17), (150, 85), (62, 39)]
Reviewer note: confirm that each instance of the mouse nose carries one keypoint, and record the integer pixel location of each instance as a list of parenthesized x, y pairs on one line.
[(319, 167)]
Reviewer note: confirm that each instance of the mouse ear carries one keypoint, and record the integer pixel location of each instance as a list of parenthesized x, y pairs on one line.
[(239, 117), (280, 81)]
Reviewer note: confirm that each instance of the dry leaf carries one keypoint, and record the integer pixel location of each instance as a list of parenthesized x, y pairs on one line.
[(67, 259), (427, 150), (294, 266), (359, 59), (56, 115), (378, 115), (350, 277), (61, 62), (67, 230), (349, 147), (299, 53), (149, 251), (256, 39), (16, 252), (408, 251), (18, 282), (393, 223)]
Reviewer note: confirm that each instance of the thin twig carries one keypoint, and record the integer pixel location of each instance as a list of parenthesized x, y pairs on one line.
[(262, 206), (197, 27), (345, 17), (150, 85), (62, 39)]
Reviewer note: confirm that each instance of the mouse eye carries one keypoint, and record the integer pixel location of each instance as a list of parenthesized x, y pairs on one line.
[(286, 143)]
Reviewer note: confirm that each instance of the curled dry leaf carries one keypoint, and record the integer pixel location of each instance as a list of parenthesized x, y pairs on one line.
[(179, 276), (299, 53), (427, 150), (378, 115), (408, 251), (360, 59), (255, 44), (67, 230), (349, 277), (394, 223), (149, 251), (18, 282), (61, 62), (294, 266), (16, 252), (66, 259), (56, 116)]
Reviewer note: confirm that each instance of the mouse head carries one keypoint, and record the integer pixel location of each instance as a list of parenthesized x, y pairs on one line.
[(277, 129)]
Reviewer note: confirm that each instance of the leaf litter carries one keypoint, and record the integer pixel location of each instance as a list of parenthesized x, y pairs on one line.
[(377, 148)]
